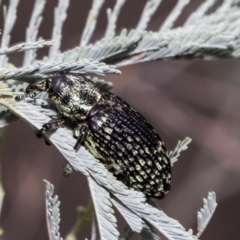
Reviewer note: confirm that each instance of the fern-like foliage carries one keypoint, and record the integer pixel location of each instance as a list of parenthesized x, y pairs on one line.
[(52, 212), (215, 35), (181, 146), (206, 212)]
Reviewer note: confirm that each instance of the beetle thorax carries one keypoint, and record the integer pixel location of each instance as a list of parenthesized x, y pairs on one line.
[(74, 96)]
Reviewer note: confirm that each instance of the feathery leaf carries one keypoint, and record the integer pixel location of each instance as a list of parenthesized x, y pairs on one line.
[(104, 211), (91, 22), (112, 19), (52, 212), (148, 233), (20, 47), (200, 12), (103, 49), (181, 146), (11, 16), (206, 212), (172, 17), (59, 18), (133, 220), (148, 11), (32, 30), (42, 69)]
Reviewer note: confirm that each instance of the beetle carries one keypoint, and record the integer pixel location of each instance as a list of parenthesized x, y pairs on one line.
[(110, 129)]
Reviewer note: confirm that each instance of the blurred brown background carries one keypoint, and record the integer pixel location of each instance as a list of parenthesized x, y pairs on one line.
[(199, 99)]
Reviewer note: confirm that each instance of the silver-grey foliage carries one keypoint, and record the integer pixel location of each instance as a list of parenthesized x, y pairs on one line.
[(91, 22), (26, 46), (32, 30), (181, 146), (41, 69), (112, 18), (173, 16), (206, 212), (52, 212), (147, 233), (59, 18), (107, 222), (202, 36), (134, 222), (10, 18), (148, 11)]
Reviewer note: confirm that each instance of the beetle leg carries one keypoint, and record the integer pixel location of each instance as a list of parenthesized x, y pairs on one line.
[(127, 180), (42, 102), (80, 133), (120, 173), (67, 170), (51, 125), (26, 95), (115, 169), (47, 142)]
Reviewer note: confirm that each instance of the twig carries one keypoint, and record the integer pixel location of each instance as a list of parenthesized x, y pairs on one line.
[(94, 231), (84, 214)]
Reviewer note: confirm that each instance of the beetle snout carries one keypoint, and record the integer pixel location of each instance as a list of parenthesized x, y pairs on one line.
[(30, 88), (37, 86)]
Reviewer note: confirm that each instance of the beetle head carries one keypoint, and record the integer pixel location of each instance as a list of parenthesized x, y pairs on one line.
[(38, 86)]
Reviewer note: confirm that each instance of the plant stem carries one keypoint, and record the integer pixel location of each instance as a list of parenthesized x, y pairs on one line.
[(84, 215)]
